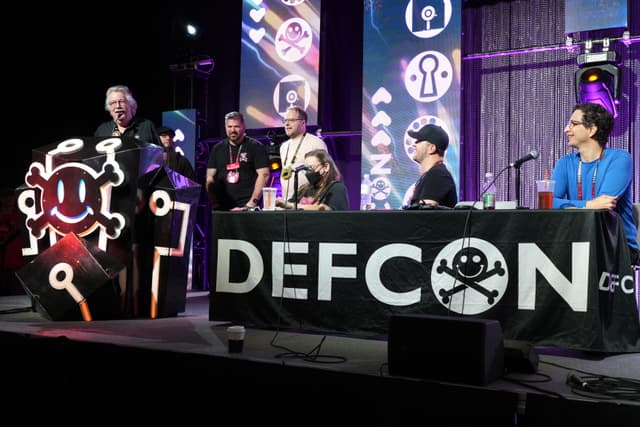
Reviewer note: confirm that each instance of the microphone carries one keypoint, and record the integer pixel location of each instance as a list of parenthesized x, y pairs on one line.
[(302, 168), (533, 154)]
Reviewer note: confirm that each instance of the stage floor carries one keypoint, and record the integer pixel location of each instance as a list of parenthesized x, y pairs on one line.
[(197, 341)]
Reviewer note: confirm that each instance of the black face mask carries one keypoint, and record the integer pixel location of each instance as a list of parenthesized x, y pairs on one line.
[(313, 177)]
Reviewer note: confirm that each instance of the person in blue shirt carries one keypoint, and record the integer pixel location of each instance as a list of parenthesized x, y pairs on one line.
[(596, 177)]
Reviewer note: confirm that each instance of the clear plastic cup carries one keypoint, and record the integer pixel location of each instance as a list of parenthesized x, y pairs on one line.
[(269, 198), (544, 188)]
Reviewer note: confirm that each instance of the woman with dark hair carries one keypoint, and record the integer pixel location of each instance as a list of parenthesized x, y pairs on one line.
[(325, 190)]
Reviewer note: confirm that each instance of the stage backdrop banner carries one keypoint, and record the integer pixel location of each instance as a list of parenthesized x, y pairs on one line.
[(184, 124), (280, 60), (411, 77), (558, 278)]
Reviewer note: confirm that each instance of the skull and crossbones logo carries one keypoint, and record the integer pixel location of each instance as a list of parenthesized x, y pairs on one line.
[(293, 39), (469, 276), (72, 197)]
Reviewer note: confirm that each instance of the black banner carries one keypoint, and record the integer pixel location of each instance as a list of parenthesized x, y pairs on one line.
[(557, 278)]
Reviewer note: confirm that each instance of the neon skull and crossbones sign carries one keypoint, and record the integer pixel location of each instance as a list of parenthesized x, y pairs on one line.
[(73, 197)]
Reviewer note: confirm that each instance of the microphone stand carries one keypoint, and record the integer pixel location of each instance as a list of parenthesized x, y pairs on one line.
[(295, 191), (517, 168)]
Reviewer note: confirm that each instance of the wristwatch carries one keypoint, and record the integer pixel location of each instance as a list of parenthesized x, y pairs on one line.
[(255, 207)]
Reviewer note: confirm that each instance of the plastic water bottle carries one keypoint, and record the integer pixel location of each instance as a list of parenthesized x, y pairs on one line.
[(489, 192), (365, 193)]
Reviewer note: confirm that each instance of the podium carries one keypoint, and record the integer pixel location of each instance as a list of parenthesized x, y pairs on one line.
[(163, 243), (97, 189)]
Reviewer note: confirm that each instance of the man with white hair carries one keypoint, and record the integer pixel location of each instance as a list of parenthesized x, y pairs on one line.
[(122, 107)]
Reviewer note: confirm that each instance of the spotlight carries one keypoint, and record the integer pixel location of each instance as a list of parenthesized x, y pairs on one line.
[(186, 34), (597, 80), (275, 163), (192, 30)]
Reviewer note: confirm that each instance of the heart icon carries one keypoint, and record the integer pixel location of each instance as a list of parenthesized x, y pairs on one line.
[(381, 118), (381, 95), (381, 138), (257, 14), (256, 35)]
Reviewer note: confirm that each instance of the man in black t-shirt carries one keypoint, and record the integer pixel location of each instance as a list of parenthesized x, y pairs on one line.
[(238, 168), (435, 186), (172, 158)]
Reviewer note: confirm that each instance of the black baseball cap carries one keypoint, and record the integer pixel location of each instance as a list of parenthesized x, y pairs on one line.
[(163, 130), (433, 134)]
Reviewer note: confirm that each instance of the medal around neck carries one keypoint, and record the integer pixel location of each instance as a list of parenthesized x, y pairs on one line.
[(286, 173)]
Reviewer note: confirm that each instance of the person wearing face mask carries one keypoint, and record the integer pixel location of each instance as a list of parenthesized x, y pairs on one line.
[(294, 150), (122, 107), (324, 191)]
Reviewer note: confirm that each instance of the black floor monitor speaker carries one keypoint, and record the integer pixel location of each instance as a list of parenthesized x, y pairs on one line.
[(446, 348), (520, 357)]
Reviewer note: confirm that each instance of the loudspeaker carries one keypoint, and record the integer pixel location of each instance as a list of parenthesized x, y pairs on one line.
[(73, 280), (446, 348), (520, 357)]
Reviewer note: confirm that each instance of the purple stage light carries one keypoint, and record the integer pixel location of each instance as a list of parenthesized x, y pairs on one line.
[(598, 84)]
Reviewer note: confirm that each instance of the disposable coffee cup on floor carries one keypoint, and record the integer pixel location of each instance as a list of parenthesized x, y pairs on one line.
[(269, 198), (235, 338), (544, 188)]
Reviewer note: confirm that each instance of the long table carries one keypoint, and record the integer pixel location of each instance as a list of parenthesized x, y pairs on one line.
[(552, 278)]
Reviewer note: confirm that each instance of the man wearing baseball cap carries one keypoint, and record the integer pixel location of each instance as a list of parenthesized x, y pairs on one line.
[(435, 186), (174, 159)]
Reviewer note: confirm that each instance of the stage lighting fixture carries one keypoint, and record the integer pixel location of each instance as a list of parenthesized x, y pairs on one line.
[(597, 80), (275, 163), (192, 30)]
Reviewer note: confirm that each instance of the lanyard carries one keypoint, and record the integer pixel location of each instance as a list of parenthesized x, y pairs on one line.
[(593, 179), (237, 155), (293, 160)]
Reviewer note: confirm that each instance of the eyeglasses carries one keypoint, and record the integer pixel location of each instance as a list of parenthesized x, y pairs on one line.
[(290, 120), (117, 102), (573, 123)]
